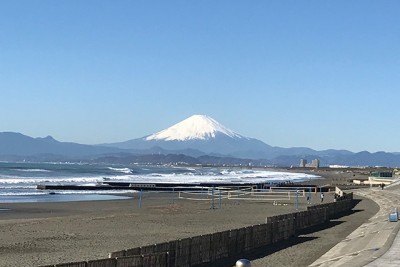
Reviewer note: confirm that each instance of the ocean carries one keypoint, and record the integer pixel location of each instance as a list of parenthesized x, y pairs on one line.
[(18, 181)]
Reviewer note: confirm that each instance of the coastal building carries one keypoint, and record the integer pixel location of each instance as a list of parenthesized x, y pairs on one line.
[(315, 163), (380, 177), (385, 177), (303, 163)]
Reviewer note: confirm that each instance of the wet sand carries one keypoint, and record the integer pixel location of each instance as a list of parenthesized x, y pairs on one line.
[(35, 234)]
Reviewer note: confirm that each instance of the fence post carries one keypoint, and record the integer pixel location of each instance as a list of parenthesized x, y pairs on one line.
[(140, 198), (212, 200), (219, 200)]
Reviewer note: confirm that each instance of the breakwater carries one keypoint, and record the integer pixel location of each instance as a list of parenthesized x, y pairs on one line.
[(223, 247), (177, 186)]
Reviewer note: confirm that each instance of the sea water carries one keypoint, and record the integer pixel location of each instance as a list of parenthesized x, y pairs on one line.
[(18, 181)]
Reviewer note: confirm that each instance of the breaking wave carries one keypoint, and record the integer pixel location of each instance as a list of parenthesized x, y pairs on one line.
[(122, 170), (21, 180)]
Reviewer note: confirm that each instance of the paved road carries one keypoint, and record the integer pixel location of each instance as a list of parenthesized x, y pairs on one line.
[(374, 243)]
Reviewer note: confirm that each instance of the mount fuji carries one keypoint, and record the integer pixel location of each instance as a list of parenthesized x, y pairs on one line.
[(197, 139), (199, 127), (203, 134)]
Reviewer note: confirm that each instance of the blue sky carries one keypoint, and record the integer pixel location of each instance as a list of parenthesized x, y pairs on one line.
[(320, 74)]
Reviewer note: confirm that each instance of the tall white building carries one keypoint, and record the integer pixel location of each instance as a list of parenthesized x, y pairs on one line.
[(303, 163), (315, 163)]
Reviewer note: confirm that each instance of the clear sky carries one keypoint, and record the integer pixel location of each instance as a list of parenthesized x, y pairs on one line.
[(319, 74)]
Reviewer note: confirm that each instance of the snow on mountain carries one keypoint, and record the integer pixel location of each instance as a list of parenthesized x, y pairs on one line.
[(196, 127)]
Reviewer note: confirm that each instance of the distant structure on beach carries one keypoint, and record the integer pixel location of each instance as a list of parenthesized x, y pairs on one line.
[(380, 178), (303, 163), (314, 163)]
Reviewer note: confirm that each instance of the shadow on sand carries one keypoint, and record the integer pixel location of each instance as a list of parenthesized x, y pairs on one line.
[(299, 239)]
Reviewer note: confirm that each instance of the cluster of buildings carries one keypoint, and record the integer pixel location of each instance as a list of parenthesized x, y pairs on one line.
[(314, 163)]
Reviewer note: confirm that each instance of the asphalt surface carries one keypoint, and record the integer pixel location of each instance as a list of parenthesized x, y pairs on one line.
[(374, 243)]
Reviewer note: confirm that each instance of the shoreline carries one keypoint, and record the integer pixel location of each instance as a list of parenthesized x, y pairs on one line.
[(35, 234)]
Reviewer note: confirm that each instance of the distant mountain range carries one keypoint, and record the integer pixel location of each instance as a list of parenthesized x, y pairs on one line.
[(16, 144), (198, 139)]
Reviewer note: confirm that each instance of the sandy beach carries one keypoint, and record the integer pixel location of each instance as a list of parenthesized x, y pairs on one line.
[(35, 234)]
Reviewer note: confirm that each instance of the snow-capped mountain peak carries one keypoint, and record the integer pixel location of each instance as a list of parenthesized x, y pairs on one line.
[(200, 127)]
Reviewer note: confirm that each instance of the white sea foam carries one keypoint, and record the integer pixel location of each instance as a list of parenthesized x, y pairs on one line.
[(92, 192), (58, 180), (237, 177), (66, 192), (31, 170), (187, 177), (123, 170), (23, 193), (16, 183), (8, 187)]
